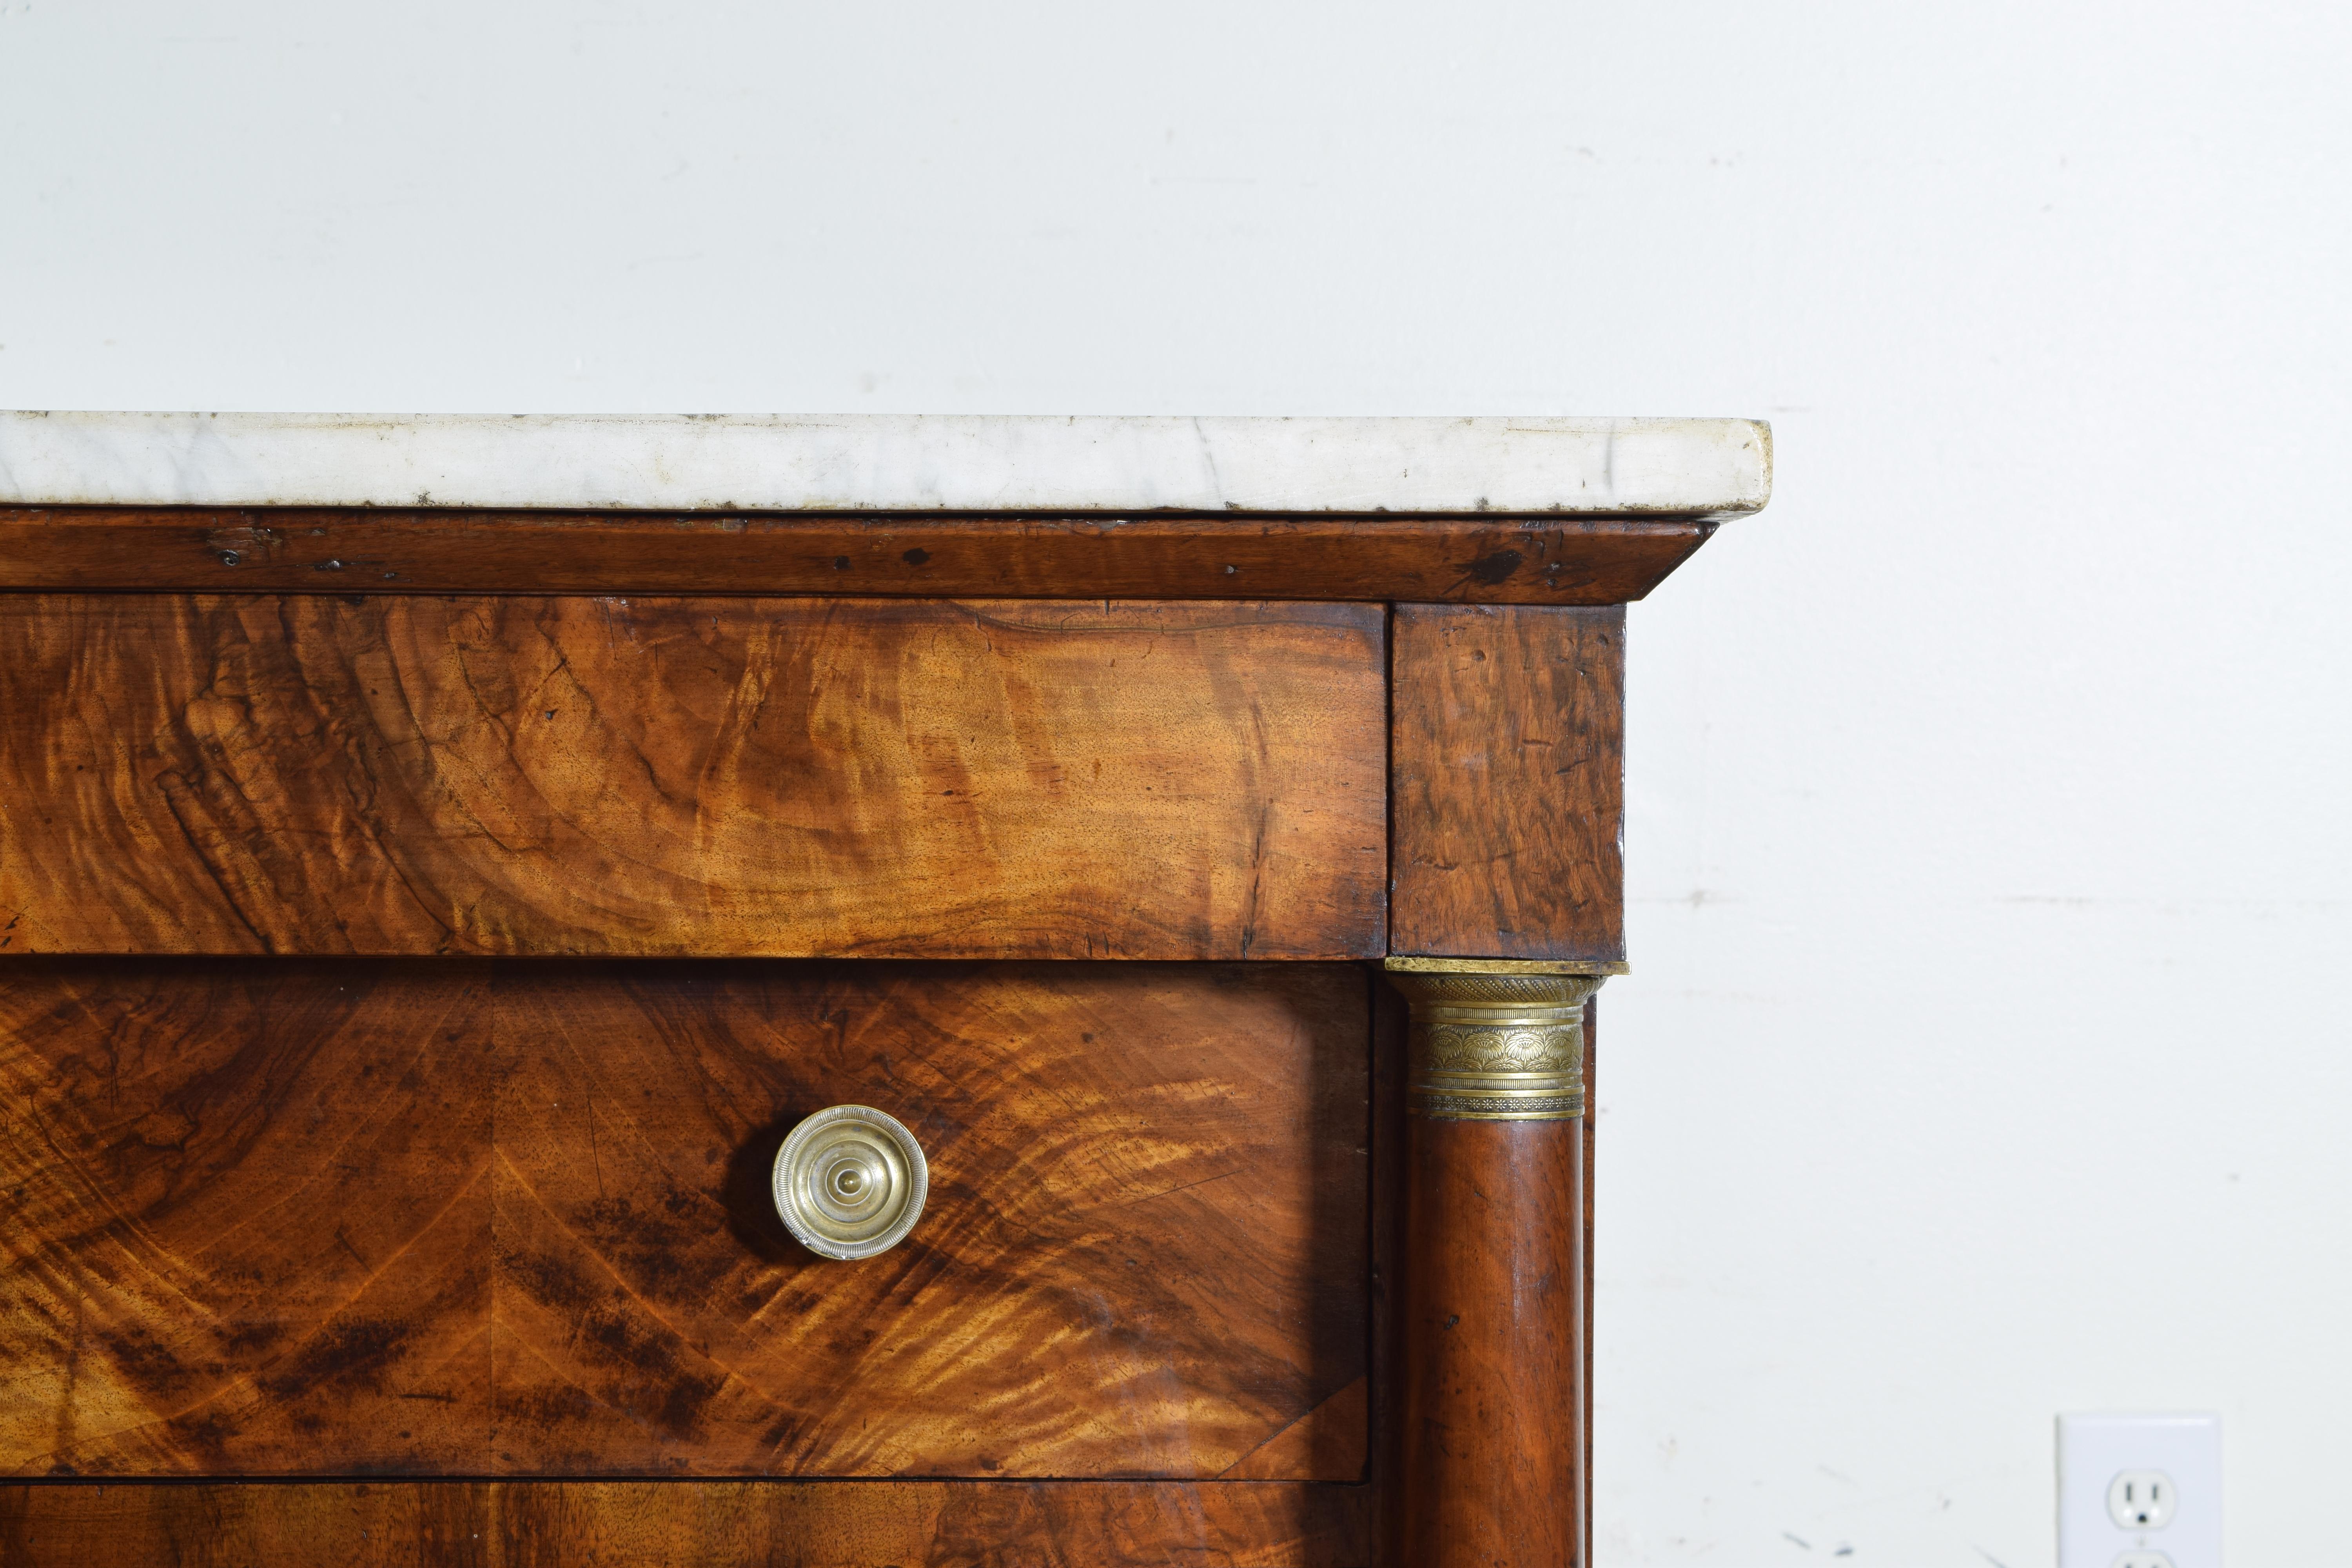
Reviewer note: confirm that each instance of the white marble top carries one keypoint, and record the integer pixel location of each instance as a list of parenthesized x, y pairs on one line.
[(873, 462)]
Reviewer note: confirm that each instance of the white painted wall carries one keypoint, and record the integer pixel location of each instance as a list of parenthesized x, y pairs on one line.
[(1986, 1054)]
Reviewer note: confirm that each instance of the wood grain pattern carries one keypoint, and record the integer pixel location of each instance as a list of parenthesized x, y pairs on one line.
[(249, 1223), (1508, 782), (337, 1217), (1143, 1251), (655, 1524), (1492, 1473), (1489, 560), (907, 778), (1390, 1143)]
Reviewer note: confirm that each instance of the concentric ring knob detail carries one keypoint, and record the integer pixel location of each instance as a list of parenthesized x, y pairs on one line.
[(850, 1181)]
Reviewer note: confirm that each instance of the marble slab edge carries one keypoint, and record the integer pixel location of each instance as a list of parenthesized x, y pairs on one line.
[(1699, 469)]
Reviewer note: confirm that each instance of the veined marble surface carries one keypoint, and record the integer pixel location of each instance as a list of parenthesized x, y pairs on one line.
[(881, 462)]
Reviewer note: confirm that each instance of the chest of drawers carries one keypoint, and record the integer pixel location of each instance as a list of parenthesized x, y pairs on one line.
[(443, 859)]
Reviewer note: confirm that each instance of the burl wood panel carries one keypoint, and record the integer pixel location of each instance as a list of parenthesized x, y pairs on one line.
[(1491, 560), (874, 778), (1492, 1472), (338, 1218), (651, 1525), (1508, 782)]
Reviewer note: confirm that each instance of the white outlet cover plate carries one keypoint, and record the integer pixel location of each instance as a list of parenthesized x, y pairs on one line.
[(2094, 1449)]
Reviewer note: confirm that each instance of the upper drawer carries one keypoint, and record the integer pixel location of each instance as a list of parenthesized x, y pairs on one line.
[(788, 777)]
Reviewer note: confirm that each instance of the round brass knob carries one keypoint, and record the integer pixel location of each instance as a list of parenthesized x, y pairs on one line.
[(850, 1181)]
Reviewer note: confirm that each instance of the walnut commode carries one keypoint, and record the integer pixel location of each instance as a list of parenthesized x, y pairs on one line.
[(513, 857)]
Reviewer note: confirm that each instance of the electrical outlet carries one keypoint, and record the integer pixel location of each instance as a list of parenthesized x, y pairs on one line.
[(2142, 1500), (2139, 1491)]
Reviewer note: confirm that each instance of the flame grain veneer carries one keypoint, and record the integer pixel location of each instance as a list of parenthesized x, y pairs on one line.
[(792, 777)]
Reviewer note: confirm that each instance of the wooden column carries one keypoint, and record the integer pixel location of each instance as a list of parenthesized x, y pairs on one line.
[(1507, 911), (1493, 1399)]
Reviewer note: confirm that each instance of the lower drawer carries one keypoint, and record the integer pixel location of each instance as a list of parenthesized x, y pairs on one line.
[(418, 1217), (656, 1524)]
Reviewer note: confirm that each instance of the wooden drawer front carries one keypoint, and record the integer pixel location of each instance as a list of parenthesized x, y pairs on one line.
[(708, 1524), (463, 1217), (786, 777)]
